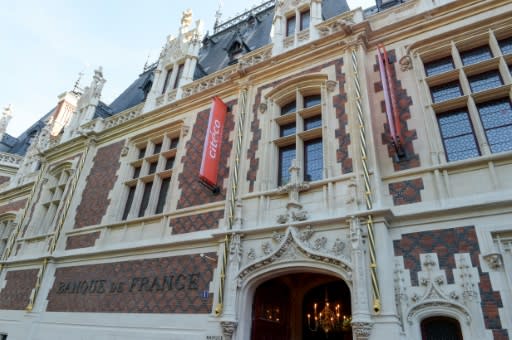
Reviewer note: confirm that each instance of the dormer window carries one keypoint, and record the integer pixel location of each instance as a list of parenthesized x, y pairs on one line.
[(290, 26), (235, 52), (166, 81), (147, 88), (304, 19), (178, 76)]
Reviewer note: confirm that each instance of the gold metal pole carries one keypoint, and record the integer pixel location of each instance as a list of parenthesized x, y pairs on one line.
[(367, 186)]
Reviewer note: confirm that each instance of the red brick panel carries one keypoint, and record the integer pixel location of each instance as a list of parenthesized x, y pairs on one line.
[(4, 179), (99, 183), (82, 241), (16, 293), (13, 206), (404, 103), (339, 102), (192, 191), (406, 192), (205, 221), (445, 243), (177, 284)]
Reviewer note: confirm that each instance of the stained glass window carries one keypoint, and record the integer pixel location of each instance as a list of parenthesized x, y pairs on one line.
[(458, 136), (439, 66), (485, 81), (496, 118)]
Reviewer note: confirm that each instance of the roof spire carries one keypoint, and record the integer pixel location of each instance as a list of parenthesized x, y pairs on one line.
[(76, 88), (218, 15)]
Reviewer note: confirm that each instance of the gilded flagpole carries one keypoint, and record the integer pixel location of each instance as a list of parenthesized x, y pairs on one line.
[(232, 199), (367, 186)]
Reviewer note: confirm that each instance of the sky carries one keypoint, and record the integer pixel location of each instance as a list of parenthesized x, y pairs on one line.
[(45, 45)]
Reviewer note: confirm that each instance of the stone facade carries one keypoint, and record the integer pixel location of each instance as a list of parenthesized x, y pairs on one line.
[(115, 236)]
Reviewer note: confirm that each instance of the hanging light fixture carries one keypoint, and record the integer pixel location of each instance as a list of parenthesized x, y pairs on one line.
[(330, 318)]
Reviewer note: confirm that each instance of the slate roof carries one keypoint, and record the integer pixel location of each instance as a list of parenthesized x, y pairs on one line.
[(251, 30)]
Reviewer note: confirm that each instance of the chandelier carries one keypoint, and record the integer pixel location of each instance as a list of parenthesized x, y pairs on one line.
[(329, 319)]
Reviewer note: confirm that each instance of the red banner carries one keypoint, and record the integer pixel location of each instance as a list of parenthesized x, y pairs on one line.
[(213, 143)]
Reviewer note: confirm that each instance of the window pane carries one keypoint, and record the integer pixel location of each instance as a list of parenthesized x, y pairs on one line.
[(166, 81), (485, 81), (169, 163), (288, 108), (312, 122), (158, 148), (145, 198), (287, 129), (313, 160), (178, 76), (439, 66), (152, 167), (129, 202), (496, 118), (457, 134), (290, 26), (286, 155), (506, 45), (476, 55), (446, 91), (304, 20), (162, 195), (136, 172), (174, 143), (142, 152), (310, 101)]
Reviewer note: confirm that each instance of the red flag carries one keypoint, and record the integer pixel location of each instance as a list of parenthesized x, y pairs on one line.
[(213, 143)]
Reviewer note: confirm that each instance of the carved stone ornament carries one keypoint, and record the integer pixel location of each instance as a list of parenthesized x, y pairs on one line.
[(292, 248), (331, 85), (361, 330), (494, 260), (263, 107), (405, 63), (228, 328)]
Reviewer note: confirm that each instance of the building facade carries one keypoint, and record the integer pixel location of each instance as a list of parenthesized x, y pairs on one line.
[(361, 189)]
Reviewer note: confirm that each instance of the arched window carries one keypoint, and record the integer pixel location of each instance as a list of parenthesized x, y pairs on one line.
[(440, 328)]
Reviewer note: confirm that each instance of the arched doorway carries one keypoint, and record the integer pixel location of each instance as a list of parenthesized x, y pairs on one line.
[(440, 328), (281, 306)]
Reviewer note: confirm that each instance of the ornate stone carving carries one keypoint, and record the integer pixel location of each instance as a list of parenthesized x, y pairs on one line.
[(361, 330), (267, 248), (262, 108), (305, 234), (251, 255), (330, 85), (291, 247), (405, 63), (320, 243), (294, 208), (228, 328), (277, 236), (494, 260), (338, 247)]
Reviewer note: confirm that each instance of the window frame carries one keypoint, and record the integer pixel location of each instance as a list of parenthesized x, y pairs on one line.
[(147, 173), (477, 81), (291, 111)]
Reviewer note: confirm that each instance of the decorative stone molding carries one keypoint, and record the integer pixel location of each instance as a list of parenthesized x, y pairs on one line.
[(263, 108), (336, 24), (123, 117), (208, 82), (331, 85), (405, 63), (292, 248), (10, 159), (494, 260), (294, 208), (256, 57), (361, 330), (228, 328)]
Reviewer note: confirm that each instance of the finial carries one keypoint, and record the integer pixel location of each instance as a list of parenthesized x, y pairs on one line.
[(186, 19), (218, 15), (7, 111), (76, 87)]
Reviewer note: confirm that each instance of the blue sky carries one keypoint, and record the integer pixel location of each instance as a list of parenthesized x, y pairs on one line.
[(44, 45)]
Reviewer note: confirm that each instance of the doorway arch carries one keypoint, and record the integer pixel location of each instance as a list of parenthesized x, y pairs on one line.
[(282, 304)]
